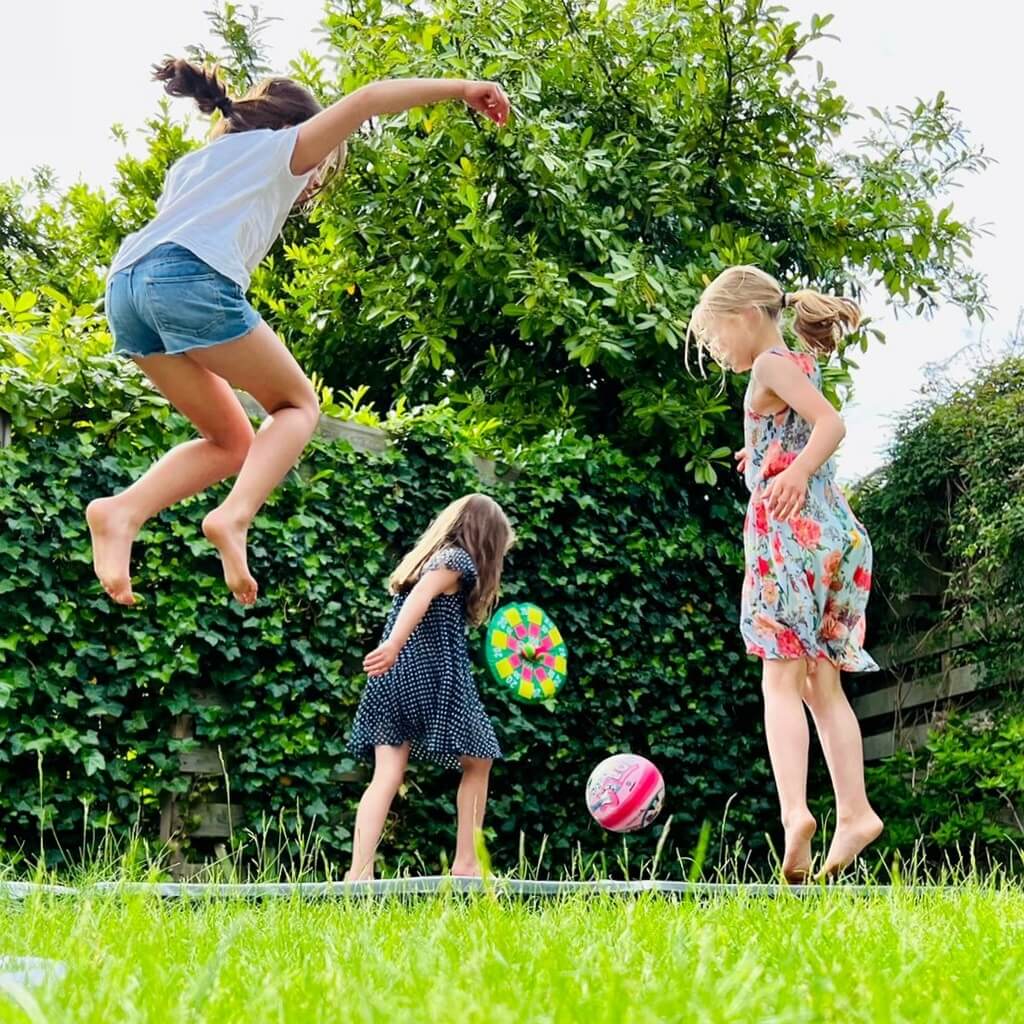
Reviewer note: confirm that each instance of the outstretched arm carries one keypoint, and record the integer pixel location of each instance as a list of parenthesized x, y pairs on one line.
[(435, 582), (322, 134)]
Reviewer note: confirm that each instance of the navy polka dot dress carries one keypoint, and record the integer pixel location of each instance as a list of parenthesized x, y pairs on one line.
[(428, 697)]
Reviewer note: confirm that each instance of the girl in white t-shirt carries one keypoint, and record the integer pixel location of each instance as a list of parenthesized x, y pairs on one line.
[(176, 302)]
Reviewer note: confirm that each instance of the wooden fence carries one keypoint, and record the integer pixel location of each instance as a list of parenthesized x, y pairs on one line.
[(922, 678)]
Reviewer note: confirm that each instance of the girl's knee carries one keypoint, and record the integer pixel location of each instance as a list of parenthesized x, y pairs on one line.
[(476, 766), (389, 779), (236, 444)]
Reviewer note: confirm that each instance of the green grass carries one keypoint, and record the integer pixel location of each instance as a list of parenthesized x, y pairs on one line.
[(946, 955)]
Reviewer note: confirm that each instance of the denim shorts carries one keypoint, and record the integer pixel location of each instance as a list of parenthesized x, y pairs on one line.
[(170, 301)]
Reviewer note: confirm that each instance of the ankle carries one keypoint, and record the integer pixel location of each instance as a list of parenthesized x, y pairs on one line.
[(231, 516), (794, 820), (119, 510), (855, 816)]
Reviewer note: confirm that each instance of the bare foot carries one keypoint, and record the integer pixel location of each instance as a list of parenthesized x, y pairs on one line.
[(229, 536), (359, 876), (796, 862), (466, 871), (851, 837), (113, 533)]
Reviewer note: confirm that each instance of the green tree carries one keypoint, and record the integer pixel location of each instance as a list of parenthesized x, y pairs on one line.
[(543, 273)]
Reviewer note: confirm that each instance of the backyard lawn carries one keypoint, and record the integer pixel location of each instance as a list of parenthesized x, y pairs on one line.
[(901, 954)]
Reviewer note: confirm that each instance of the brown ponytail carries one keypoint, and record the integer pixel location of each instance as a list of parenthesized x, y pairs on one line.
[(820, 321), (183, 78), (273, 103)]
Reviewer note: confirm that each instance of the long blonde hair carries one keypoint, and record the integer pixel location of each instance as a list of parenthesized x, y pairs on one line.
[(478, 524), (820, 321)]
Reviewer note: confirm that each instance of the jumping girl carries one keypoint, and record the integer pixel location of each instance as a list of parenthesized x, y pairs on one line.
[(808, 559), (420, 699), (176, 300)]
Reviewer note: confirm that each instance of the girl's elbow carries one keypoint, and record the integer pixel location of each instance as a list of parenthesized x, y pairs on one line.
[(840, 427)]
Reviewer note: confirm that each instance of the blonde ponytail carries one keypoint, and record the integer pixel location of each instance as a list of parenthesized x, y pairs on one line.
[(820, 321)]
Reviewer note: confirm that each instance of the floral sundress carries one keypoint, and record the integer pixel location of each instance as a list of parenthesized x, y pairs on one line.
[(808, 579)]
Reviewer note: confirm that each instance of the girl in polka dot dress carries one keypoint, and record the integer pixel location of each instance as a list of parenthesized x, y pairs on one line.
[(808, 559), (420, 699)]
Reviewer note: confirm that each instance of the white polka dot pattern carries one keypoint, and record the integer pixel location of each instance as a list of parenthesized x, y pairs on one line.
[(428, 698)]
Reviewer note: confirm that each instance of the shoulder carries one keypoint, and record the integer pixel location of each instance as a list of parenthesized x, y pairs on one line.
[(457, 560), (783, 364)]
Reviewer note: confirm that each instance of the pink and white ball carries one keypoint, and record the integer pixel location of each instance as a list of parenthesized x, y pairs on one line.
[(625, 793)]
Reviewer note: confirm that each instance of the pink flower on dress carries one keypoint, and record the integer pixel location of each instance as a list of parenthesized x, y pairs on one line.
[(806, 531), (789, 644), (810, 578), (763, 566), (766, 624), (831, 568), (777, 553), (757, 652), (832, 628), (862, 578), (770, 591), (761, 519), (775, 463), (805, 362)]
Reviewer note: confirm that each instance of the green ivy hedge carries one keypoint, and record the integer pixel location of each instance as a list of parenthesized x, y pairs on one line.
[(951, 498), (640, 571)]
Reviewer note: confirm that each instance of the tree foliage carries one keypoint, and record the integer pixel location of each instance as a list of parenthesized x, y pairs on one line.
[(543, 273)]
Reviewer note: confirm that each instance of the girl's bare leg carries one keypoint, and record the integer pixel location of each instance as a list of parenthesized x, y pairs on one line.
[(785, 723), (471, 803), (260, 364), (388, 772), (210, 404), (857, 825)]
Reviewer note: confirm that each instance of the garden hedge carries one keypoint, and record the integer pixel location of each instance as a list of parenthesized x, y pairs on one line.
[(640, 570)]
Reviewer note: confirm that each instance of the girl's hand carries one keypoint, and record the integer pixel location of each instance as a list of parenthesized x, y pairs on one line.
[(786, 493), (741, 461), (489, 99), (378, 661)]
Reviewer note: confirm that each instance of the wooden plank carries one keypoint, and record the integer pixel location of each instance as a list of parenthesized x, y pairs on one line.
[(182, 727), (202, 761), (492, 472), (211, 821), (937, 687), (203, 698), (923, 645), (5, 429), (168, 816), (353, 776), (883, 744), (360, 436)]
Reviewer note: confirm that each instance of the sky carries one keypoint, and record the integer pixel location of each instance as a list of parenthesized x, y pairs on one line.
[(98, 54)]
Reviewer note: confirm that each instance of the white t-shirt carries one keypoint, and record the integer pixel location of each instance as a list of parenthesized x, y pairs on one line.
[(226, 202)]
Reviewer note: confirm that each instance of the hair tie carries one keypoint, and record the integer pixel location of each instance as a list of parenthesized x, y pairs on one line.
[(224, 105), (788, 298)]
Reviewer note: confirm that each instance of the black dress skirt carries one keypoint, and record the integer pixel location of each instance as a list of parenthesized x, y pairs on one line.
[(428, 697)]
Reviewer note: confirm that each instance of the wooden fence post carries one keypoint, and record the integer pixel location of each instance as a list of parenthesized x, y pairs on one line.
[(5, 429)]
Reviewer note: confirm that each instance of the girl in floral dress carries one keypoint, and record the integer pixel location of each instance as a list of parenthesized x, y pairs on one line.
[(808, 559)]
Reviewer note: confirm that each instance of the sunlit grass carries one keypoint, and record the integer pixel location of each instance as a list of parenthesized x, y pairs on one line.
[(898, 954)]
